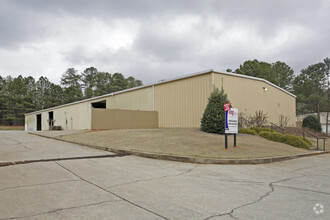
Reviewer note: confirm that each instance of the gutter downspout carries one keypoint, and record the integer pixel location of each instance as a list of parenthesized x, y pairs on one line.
[(212, 78), (153, 97), (89, 117)]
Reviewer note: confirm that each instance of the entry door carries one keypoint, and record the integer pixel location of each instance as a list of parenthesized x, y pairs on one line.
[(50, 120), (39, 122)]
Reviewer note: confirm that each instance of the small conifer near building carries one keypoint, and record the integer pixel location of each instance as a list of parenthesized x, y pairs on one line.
[(213, 120), (312, 122)]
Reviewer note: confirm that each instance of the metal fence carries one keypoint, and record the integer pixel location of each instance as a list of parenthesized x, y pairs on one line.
[(12, 122)]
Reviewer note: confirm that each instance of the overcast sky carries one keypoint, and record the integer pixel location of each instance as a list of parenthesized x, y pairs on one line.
[(153, 39)]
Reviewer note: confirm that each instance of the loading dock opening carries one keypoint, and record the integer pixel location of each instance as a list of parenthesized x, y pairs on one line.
[(38, 122), (100, 104)]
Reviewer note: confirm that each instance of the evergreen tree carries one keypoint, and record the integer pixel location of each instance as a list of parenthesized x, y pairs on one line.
[(311, 87), (2, 98), (89, 81), (119, 82), (132, 82), (72, 94), (103, 83), (278, 73), (213, 120), (21, 95), (312, 122), (72, 90), (71, 78)]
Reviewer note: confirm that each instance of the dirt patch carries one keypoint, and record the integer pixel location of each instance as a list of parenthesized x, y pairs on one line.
[(11, 128), (96, 130)]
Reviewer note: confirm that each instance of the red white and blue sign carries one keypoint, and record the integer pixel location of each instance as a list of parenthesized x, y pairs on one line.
[(226, 106), (231, 126)]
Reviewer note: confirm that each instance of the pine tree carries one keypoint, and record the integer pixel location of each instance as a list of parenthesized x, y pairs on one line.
[(213, 120)]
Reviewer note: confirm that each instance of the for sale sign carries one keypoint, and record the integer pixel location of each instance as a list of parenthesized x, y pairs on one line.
[(231, 126), (226, 106)]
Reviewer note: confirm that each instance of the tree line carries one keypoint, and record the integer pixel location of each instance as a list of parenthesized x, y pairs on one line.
[(20, 95), (311, 85), (25, 94)]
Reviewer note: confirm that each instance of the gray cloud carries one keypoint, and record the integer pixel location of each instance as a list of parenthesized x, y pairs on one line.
[(156, 39)]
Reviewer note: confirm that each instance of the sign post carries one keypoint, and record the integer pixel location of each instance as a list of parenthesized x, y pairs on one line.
[(231, 124)]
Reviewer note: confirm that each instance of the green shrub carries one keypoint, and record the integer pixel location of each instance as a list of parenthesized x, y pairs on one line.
[(213, 120), (292, 140), (260, 129), (56, 128), (247, 131), (312, 122), (273, 136), (296, 141), (268, 135), (307, 141)]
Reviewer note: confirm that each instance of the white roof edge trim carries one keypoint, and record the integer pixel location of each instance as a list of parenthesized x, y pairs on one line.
[(161, 82)]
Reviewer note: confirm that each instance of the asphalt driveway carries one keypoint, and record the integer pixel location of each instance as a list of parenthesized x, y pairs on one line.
[(131, 187)]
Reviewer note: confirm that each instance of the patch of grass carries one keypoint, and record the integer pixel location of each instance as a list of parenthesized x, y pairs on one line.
[(185, 142)]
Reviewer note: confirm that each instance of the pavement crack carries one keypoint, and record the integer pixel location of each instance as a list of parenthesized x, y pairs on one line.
[(156, 178), (229, 181), (60, 209), (219, 215), (138, 181), (272, 189), (114, 194), (20, 143), (304, 168), (303, 189), (187, 171), (290, 178), (40, 184), (11, 163)]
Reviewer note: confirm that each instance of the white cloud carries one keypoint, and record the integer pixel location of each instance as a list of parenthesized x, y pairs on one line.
[(154, 40)]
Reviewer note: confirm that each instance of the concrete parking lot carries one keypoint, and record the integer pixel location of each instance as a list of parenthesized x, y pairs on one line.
[(131, 187)]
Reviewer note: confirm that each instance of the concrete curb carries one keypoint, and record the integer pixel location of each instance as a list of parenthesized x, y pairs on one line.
[(10, 163), (198, 160)]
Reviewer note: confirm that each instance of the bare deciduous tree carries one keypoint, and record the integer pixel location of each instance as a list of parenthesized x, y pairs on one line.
[(283, 120), (259, 119)]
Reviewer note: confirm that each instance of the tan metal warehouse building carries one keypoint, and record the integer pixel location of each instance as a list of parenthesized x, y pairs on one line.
[(178, 103)]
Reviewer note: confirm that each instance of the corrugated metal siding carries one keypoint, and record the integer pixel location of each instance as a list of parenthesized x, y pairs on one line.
[(140, 99), (249, 96), (123, 119), (181, 103), (44, 121), (30, 122), (73, 117)]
